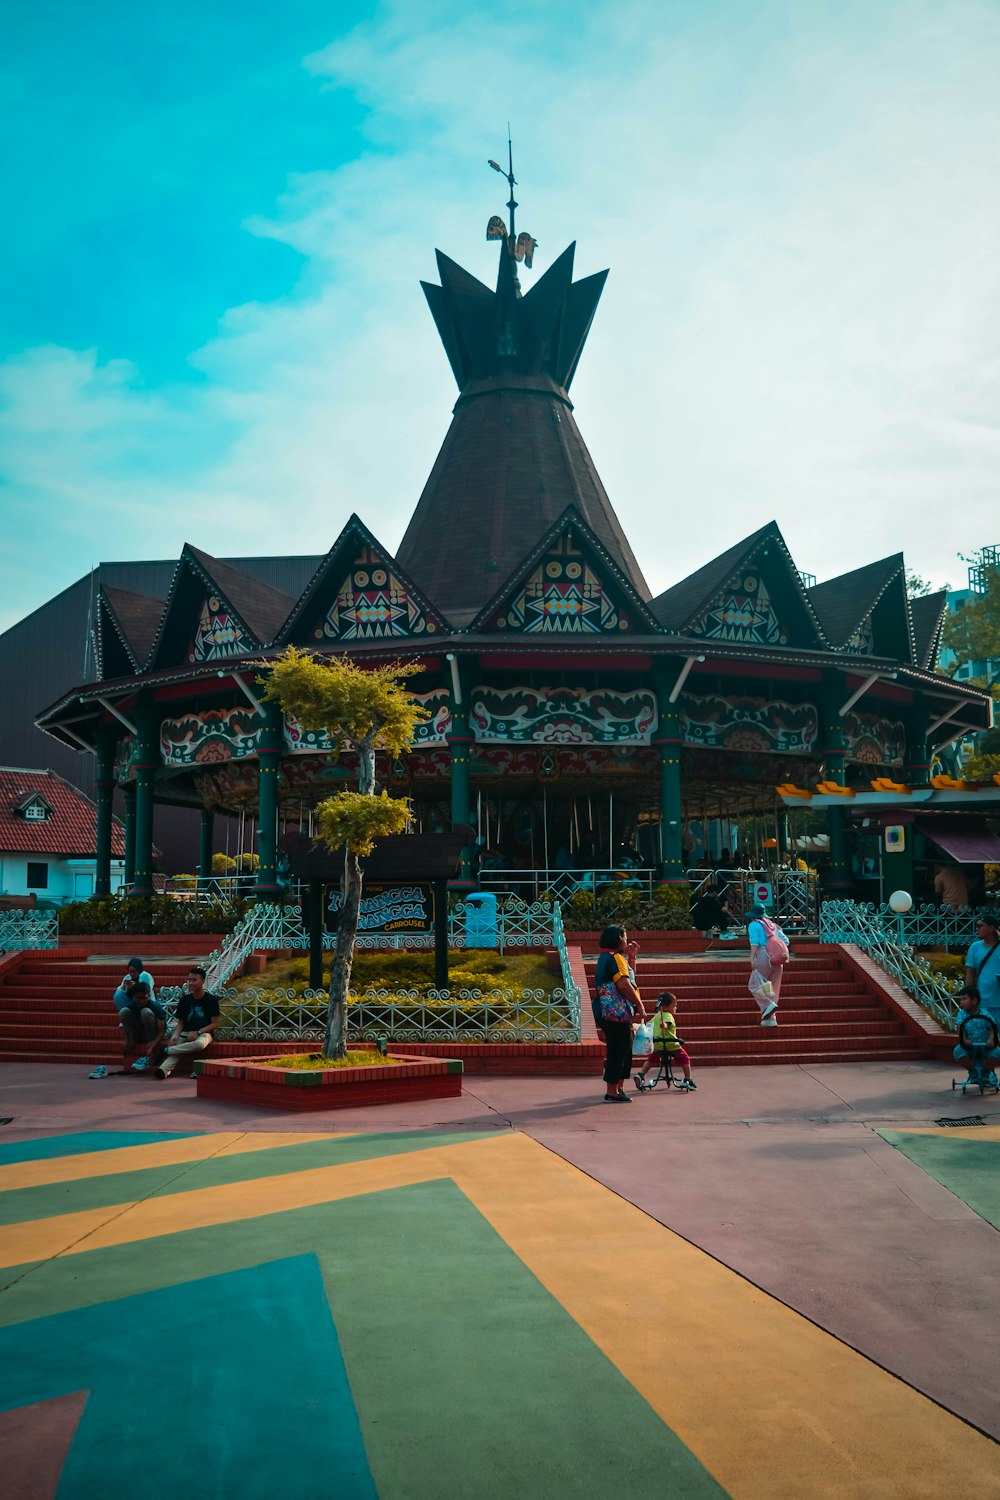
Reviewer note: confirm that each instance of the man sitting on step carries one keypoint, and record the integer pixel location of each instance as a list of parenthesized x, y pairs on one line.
[(197, 1018), (143, 1021)]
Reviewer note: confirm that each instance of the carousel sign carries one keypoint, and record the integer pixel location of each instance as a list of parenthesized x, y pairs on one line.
[(386, 908)]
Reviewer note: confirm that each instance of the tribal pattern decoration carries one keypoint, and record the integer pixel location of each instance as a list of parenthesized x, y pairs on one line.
[(217, 734), (874, 740), (862, 642), (372, 604), (748, 724), (563, 595), (125, 758), (743, 612), (562, 716), (219, 633)]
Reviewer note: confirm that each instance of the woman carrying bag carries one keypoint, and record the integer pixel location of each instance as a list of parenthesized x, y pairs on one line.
[(768, 955), (617, 1006)]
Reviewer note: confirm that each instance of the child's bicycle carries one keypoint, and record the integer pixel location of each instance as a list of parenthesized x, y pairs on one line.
[(665, 1074), (981, 1076), (979, 1037)]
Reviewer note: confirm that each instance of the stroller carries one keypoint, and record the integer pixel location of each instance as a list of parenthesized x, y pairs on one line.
[(979, 1040)]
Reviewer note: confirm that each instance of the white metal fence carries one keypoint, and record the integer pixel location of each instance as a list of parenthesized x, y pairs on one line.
[(28, 929), (890, 938)]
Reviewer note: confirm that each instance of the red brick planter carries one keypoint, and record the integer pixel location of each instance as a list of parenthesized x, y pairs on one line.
[(245, 1081)]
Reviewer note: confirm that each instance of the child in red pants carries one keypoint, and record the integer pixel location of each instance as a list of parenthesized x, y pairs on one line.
[(665, 1039)]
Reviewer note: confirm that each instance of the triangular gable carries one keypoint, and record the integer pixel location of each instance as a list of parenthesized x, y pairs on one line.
[(928, 613), (126, 624), (200, 622), (359, 593), (864, 612), (750, 595), (567, 585)]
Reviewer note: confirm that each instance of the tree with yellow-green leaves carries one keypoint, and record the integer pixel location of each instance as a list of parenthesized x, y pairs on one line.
[(369, 709)]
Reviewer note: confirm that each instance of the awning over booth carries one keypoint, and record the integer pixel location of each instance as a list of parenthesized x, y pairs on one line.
[(961, 839)]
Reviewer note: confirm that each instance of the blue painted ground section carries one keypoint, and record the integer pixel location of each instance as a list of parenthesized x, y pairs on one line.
[(87, 1140), (231, 1386)]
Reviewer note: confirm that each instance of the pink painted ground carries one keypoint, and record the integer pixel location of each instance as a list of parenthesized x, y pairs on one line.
[(777, 1172)]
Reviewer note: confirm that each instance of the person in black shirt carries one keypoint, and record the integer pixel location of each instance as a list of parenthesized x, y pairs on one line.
[(197, 1018)]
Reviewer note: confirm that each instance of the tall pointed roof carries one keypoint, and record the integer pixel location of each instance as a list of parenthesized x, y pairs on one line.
[(842, 603), (513, 459), (928, 611), (134, 619)]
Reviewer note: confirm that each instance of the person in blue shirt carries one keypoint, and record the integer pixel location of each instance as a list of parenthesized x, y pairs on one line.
[(143, 1021), (132, 976), (982, 965)]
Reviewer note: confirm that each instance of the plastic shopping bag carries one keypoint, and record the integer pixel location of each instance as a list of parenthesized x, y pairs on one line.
[(760, 988), (642, 1045)]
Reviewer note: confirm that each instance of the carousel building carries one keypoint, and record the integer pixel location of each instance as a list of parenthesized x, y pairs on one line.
[(569, 713)]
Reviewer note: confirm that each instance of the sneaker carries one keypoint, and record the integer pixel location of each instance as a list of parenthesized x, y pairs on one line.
[(140, 1065), (689, 1083), (993, 1081), (622, 1099), (772, 1022), (640, 1085), (157, 1073), (100, 1072), (768, 1011)]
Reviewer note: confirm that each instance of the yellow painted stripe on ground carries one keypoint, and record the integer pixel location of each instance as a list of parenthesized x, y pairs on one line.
[(22, 1174), (774, 1407)]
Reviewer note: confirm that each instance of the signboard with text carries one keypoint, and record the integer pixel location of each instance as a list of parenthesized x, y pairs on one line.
[(385, 908)]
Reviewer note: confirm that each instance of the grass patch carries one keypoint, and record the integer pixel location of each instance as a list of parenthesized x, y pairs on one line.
[(313, 1062), (478, 968)]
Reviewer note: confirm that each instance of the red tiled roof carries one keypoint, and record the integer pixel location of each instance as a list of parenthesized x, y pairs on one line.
[(69, 830)]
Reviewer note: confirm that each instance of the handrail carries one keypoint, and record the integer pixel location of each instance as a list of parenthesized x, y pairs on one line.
[(880, 934), (21, 930)]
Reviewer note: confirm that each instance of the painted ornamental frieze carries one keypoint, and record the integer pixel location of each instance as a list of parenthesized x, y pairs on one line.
[(219, 633), (748, 724), (875, 740), (214, 735), (563, 595), (431, 730), (562, 716), (743, 612), (372, 604)]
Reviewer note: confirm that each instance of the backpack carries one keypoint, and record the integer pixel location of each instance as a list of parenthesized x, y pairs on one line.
[(775, 946)]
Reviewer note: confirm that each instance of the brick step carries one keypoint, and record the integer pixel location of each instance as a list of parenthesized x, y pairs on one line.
[(789, 1040), (705, 987), (70, 992), (90, 974)]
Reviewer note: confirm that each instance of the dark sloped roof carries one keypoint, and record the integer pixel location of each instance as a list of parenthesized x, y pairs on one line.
[(263, 609), (510, 465), (927, 613), (137, 617), (844, 603), (676, 607)]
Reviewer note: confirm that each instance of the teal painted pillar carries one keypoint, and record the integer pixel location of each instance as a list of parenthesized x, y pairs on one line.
[(668, 745), (104, 789), (147, 759), (270, 743), (918, 750), (459, 741), (128, 793), (206, 842), (834, 747)]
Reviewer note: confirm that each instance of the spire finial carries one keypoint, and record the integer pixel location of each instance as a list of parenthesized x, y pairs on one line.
[(521, 247)]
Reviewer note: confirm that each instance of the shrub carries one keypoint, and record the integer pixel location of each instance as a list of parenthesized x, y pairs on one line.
[(158, 913), (667, 910)]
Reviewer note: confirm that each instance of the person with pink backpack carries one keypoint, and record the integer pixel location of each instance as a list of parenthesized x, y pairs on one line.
[(769, 953)]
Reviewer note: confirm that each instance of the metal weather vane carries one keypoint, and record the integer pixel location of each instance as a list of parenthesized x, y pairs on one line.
[(523, 245)]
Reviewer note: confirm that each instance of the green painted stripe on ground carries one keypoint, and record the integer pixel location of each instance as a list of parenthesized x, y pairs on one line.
[(48, 1200), (969, 1170), (42, 1148), (468, 1376)]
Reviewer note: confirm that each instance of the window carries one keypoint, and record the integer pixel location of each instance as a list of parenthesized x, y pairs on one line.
[(36, 812), (38, 877)]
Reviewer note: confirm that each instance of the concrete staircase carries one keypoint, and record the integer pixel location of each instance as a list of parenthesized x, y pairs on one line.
[(56, 1007), (829, 1011)]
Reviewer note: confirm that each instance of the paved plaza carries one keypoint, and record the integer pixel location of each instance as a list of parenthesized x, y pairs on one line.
[(780, 1286)]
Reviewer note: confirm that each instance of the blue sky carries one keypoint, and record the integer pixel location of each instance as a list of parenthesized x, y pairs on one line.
[(218, 216)]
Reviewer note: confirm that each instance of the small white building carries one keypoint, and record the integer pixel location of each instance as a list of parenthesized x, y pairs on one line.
[(48, 838)]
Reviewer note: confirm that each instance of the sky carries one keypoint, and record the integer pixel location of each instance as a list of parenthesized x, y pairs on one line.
[(218, 216)]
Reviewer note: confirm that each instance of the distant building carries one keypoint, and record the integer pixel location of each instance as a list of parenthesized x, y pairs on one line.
[(985, 668), (48, 838)]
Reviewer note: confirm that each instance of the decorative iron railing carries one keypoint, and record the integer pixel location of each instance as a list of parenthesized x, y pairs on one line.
[(469, 1015), (879, 932), (20, 930)]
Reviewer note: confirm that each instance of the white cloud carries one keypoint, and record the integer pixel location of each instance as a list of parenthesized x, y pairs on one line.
[(801, 320)]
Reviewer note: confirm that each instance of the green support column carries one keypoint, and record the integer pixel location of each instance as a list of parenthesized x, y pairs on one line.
[(668, 745), (918, 750), (460, 745), (147, 759), (834, 747), (104, 789), (128, 793), (270, 744), (206, 846)]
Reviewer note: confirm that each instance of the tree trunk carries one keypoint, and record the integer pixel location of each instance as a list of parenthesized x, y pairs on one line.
[(335, 1043)]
